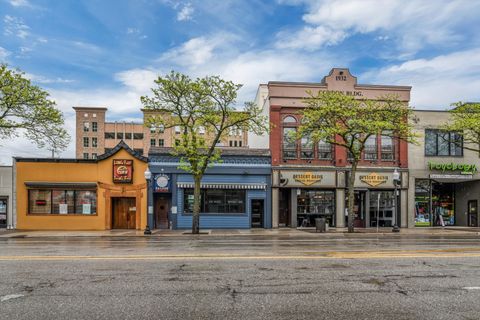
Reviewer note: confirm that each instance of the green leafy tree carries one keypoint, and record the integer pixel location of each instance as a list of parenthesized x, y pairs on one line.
[(465, 120), (25, 108), (204, 110), (344, 121)]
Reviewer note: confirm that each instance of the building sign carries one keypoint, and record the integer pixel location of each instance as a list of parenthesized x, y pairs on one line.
[(162, 183), (452, 176), (122, 171), (463, 168), (374, 179), (307, 178)]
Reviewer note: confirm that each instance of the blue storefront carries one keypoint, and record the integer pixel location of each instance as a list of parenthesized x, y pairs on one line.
[(236, 193)]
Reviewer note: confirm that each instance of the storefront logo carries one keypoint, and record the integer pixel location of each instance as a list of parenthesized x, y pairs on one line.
[(374, 179), (122, 171), (307, 178), (162, 183), (463, 168)]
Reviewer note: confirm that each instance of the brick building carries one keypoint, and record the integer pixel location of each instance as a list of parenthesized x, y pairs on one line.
[(95, 136), (309, 180)]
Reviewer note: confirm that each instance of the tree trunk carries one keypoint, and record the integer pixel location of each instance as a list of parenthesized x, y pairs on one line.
[(196, 206), (351, 196)]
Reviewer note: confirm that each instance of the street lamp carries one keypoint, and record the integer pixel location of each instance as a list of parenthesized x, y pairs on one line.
[(148, 177), (396, 183)]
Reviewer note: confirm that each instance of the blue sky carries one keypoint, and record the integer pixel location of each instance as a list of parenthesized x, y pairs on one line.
[(107, 53)]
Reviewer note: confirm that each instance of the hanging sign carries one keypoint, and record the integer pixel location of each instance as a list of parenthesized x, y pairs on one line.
[(122, 171)]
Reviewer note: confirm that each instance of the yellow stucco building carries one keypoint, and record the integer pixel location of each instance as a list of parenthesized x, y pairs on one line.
[(75, 194)]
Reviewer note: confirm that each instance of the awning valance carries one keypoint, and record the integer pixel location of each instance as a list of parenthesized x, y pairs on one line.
[(190, 185), (61, 185)]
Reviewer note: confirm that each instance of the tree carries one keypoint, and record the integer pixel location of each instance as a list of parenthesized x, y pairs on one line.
[(344, 121), (204, 110), (465, 121), (25, 108)]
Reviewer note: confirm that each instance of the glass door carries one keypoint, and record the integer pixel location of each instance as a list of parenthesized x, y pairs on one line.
[(3, 212)]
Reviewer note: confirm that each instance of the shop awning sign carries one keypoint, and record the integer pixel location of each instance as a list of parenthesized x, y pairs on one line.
[(307, 178), (374, 179)]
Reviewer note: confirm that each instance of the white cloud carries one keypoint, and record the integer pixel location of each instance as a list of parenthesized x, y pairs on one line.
[(45, 80), (15, 26), (20, 3), (413, 24), (4, 53), (185, 13), (310, 38), (140, 80), (437, 82)]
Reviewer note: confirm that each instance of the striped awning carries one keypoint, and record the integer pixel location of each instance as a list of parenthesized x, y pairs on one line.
[(190, 185)]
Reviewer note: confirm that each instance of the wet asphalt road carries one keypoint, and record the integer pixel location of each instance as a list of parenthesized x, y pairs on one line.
[(310, 277)]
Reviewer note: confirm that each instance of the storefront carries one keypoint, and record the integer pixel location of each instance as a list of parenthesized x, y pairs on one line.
[(304, 195), (76, 194), (235, 193), (6, 196)]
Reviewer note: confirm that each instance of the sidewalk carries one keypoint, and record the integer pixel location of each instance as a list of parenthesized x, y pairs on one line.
[(283, 232)]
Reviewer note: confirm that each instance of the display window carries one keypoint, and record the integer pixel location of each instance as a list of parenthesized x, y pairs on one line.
[(382, 207), (313, 204), (434, 203), (217, 201), (62, 201)]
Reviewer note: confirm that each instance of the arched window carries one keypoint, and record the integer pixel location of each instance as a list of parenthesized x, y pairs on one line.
[(289, 120)]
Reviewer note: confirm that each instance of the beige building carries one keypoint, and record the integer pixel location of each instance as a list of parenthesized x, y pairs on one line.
[(95, 136), (444, 181)]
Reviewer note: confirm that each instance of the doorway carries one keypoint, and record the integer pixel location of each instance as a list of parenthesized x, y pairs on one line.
[(472, 213), (162, 205), (124, 213), (284, 208), (3, 212), (359, 208), (257, 210)]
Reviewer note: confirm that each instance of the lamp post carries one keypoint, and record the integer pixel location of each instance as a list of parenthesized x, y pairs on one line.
[(148, 178), (396, 182)]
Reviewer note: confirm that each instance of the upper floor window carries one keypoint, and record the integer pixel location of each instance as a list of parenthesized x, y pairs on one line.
[(161, 128), (119, 135), (94, 127), (94, 142), (128, 135), (307, 147), (138, 136), (201, 130), (85, 142), (370, 149), (109, 135), (161, 142), (443, 143), (387, 147), (289, 120), (289, 143), (152, 142), (324, 150), (152, 129), (86, 126), (177, 129)]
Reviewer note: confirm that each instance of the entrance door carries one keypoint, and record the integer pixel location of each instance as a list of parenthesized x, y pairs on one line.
[(161, 212), (473, 213), (359, 209), (124, 213), (284, 208), (3, 212), (257, 213)]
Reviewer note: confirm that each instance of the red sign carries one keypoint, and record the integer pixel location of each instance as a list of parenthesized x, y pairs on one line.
[(122, 171)]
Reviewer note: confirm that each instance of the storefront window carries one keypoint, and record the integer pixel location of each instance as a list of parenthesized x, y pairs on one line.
[(62, 201), (382, 207), (434, 203), (313, 204), (216, 201)]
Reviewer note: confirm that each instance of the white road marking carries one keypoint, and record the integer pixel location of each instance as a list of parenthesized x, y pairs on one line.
[(471, 288), (11, 296)]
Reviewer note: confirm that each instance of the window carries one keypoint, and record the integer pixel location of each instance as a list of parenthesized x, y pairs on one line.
[(313, 204), (128, 135), (85, 142), (324, 150), (62, 201), (120, 135), (307, 147), (177, 129), (231, 143), (152, 129), (85, 115), (289, 143), (443, 143), (289, 119), (235, 143), (94, 156), (201, 130), (139, 151), (239, 143), (161, 142), (216, 201), (161, 128), (152, 142), (94, 127), (387, 147), (85, 155), (94, 115), (137, 136), (86, 126), (109, 135), (370, 150), (94, 142)]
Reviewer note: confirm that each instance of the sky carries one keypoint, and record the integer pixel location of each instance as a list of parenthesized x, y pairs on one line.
[(107, 53)]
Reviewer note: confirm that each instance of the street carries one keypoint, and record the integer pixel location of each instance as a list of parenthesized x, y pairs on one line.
[(242, 277)]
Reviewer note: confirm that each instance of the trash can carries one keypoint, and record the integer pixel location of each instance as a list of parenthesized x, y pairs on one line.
[(320, 224)]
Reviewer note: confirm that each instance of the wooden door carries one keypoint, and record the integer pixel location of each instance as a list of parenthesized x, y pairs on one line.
[(161, 212), (124, 213)]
